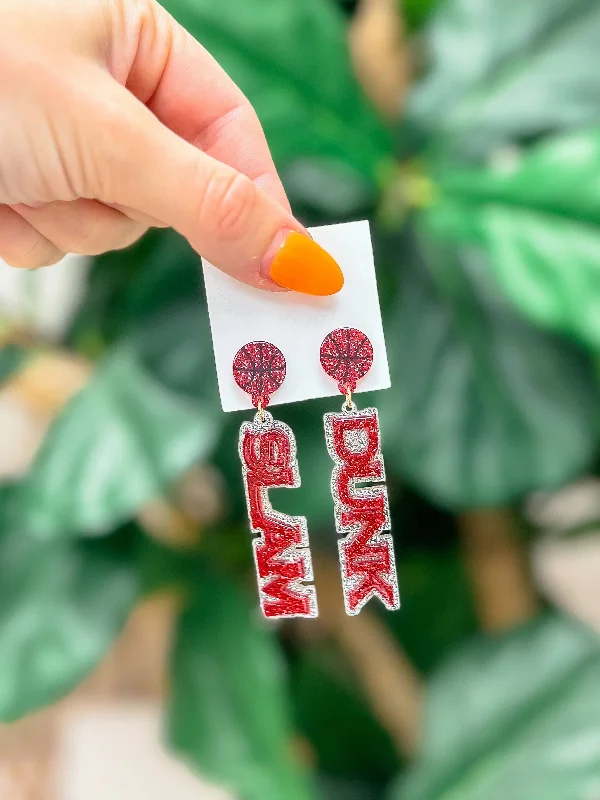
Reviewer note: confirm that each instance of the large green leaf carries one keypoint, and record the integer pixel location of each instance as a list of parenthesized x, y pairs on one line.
[(538, 218), (508, 71), (291, 60), (484, 407), (517, 716), (228, 711), (61, 606), (116, 445)]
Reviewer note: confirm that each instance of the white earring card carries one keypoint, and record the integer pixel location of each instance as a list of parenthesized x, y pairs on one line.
[(297, 323)]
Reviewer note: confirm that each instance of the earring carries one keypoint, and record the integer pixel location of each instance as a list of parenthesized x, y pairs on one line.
[(267, 450), (362, 514)]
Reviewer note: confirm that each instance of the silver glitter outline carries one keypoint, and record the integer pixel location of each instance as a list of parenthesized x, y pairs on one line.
[(347, 532), (261, 425)]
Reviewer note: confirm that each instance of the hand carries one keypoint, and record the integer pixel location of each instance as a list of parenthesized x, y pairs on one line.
[(114, 119)]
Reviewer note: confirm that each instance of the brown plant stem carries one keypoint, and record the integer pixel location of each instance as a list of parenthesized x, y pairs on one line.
[(496, 561), (49, 380), (380, 55), (388, 679)]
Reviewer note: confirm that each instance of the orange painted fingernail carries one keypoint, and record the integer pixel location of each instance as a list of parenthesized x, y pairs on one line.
[(300, 264)]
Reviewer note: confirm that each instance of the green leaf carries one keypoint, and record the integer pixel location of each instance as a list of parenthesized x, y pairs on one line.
[(291, 60), (175, 347), (322, 194), (417, 12), (506, 72), (336, 719), (11, 359), (116, 445), (334, 787), (161, 309), (485, 407), (437, 604), (62, 604), (228, 712), (127, 287), (534, 217), (514, 716)]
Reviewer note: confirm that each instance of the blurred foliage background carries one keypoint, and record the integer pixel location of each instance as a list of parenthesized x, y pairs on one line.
[(468, 132)]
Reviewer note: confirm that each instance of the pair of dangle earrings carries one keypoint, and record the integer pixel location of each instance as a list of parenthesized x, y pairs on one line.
[(267, 450)]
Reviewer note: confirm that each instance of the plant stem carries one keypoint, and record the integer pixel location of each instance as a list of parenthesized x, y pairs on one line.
[(388, 679), (380, 55), (497, 564)]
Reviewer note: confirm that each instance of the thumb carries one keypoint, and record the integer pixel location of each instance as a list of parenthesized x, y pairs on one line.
[(227, 218)]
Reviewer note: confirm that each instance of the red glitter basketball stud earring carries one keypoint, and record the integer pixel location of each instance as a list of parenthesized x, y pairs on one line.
[(267, 450), (362, 514)]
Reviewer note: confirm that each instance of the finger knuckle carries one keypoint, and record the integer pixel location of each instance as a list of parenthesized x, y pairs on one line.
[(128, 236), (89, 240), (228, 204), (41, 254), (97, 238), (81, 242), (105, 162)]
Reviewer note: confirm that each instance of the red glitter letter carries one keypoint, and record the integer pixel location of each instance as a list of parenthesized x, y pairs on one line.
[(361, 513), (281, 554)]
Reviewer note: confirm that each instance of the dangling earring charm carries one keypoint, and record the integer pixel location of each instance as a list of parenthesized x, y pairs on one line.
[(362, 514), (267, 450)]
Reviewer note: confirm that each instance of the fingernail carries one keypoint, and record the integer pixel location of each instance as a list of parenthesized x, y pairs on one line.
[(298, 263)]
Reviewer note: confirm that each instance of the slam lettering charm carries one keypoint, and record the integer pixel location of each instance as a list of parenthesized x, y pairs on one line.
[(267, 450)]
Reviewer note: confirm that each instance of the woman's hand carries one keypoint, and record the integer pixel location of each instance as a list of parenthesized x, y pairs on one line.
[(114, 119)]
